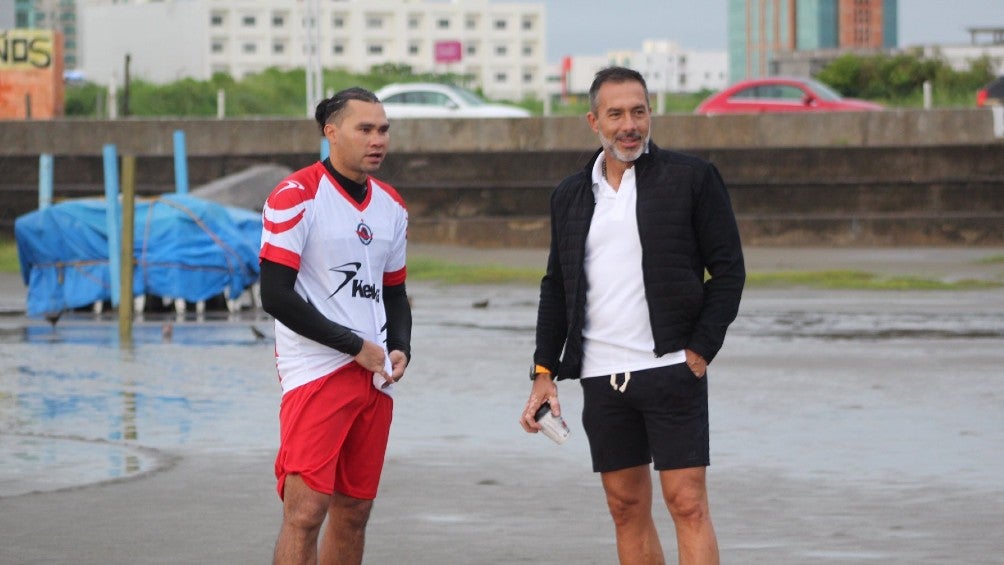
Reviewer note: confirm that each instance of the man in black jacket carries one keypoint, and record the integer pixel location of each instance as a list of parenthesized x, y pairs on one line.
[(625, 307)]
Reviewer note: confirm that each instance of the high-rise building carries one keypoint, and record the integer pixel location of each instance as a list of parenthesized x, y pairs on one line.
[(757, 30), (869, 24), (760, 31), (57, 15)]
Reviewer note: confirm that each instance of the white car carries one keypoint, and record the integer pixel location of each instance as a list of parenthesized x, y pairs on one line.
[(433, 100)]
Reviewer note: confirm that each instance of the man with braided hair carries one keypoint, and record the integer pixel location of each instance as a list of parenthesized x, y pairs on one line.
[(333, 277)]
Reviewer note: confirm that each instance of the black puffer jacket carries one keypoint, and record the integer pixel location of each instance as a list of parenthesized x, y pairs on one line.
[(686, 225)]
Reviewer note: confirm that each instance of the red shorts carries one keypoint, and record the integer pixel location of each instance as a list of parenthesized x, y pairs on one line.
[(333, 433)]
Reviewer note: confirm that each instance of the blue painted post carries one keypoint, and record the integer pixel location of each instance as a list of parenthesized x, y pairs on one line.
[(325, 150), (180, 163), (44, 181), (112, 217)]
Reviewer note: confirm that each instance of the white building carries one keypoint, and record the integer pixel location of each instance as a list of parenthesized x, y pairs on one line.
[(666, 66), (669, 68), (960, 57), (501, 45), (985, 42)]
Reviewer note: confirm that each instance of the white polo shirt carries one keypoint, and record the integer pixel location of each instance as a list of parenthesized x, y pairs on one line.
[(617, 335)]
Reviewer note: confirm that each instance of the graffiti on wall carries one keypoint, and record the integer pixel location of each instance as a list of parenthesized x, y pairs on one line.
[(26, 49), (31, 74)]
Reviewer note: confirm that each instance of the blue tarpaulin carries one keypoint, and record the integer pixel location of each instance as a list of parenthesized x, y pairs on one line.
[(184, 247)]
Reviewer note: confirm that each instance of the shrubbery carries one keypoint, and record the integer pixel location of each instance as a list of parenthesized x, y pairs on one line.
[(898, 80), (272, 92), (893, 80)]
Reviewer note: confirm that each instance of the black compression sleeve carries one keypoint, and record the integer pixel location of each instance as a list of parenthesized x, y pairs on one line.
[(280, 300), (395, 303)]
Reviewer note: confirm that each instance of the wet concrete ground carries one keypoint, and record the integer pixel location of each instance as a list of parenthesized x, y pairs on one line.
[(847, 427)]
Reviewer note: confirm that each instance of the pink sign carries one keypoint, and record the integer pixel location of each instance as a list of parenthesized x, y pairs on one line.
[(448, 51)]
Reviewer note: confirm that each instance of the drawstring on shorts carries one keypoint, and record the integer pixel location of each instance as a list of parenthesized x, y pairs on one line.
[(622, 387)]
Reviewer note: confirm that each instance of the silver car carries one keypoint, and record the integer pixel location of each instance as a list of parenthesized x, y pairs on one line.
[(434, 100)]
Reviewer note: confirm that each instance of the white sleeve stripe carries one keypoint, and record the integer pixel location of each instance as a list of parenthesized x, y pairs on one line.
[(279, 216)]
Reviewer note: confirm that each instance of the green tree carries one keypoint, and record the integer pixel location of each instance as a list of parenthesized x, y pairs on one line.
[(272, 92), (187, 97), (898, 79), (83, 100)]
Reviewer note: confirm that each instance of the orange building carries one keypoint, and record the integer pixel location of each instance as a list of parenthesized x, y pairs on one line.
[(861, 23), (31, 74), (763, 31)]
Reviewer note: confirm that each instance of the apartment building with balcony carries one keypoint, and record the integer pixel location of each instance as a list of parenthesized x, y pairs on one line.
[(501, 46)]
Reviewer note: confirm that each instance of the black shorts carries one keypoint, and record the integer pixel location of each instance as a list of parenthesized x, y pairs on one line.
[(661, 415)]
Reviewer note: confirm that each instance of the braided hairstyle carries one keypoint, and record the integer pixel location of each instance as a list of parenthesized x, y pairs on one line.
[(330, 109)]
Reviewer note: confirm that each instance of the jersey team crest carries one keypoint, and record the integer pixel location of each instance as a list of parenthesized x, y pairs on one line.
[(365, 233)]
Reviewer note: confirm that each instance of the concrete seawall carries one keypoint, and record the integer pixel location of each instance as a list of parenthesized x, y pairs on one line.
[(257, 136), (888, 178)]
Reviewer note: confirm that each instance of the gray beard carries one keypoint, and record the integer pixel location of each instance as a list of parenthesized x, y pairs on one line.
[(609, 148)]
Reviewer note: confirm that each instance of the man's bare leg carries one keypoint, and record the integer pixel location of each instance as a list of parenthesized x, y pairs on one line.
[(303, 511), (686, 495), (629, 498), (345, 534)]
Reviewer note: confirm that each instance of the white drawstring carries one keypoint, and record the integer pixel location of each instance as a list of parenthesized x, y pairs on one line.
[(623, 387)]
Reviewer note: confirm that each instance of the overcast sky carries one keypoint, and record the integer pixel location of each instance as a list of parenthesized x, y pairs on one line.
[(593, 27)]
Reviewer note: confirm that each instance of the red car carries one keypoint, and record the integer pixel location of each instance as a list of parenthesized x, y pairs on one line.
[(991, 94), (780, 94)]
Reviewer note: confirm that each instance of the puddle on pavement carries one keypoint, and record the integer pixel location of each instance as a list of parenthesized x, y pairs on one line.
[(41, 463), (805, 325), (78, 408), (869, 326)]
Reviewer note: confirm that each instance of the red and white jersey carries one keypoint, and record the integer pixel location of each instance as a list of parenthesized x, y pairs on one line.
[(345, 253)]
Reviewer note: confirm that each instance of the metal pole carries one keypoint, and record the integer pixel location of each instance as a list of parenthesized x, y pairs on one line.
[(221, 104), (180, 163), (128, 236), (313, 69), (125, 89), (44, 180), (310, 82), (308, 68), (110, 156), (112, 101)]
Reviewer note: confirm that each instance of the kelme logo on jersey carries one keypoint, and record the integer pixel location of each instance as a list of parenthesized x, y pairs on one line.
[(360, 289), (349, 271), (364, 290), (365, 233)]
